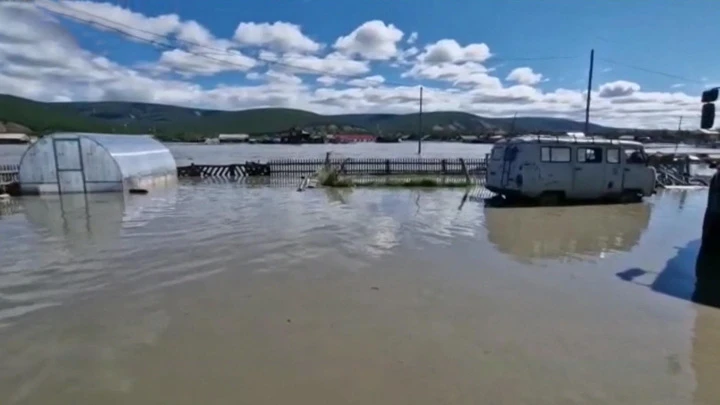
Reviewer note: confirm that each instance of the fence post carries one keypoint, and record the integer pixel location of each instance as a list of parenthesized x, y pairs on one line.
[(387, 166), (465, 170), (444, 166)]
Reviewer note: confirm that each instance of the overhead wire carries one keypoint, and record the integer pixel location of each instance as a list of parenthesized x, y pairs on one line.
[(641, 68), (647, 70), (167, 42)]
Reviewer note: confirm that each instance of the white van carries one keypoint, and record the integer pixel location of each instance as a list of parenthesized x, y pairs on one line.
[(552, 168)]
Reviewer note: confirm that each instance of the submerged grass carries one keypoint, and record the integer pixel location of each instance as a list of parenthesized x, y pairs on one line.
[(331, 178)]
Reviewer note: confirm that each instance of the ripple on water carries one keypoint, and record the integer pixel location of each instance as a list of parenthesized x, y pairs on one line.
[(267, 284), (57, 248)]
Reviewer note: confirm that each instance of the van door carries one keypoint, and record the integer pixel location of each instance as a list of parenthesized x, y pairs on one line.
[(495, 166), (509, 170), (635, 170), (589, 173), (613, 172)]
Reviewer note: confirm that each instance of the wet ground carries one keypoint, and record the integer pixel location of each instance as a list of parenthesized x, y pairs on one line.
[(228, 293)]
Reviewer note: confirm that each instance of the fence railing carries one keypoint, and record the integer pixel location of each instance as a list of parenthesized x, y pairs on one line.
[(378, 166), (8, 174)]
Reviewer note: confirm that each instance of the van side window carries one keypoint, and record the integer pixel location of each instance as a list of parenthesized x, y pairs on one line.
[(613, 155), (589, 155), (497, 153), (555, 154), (634, 156)]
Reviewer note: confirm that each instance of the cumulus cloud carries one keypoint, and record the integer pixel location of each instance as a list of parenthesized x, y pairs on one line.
[(412, 38), (450, 51), (372, 40), (278, 36), (369, 81), (203, 64), (524, 75), (276, 64), (620, 88)]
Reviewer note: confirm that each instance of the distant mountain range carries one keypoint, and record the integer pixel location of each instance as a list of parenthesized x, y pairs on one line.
[(184, 123)]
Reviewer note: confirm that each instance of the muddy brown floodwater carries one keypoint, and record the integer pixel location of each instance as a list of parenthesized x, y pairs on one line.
[(235, 294)]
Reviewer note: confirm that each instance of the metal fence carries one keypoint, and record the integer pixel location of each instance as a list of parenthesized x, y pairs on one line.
[(8, 174)]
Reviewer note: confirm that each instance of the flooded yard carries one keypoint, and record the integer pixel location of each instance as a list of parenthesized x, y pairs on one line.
[(231, 293)]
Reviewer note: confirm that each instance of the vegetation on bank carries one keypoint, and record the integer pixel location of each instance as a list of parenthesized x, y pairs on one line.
[(399, 183), (328, 177)]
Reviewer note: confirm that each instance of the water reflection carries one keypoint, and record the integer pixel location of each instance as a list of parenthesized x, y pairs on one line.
[(78, 220), (58, 255), (566, 232), (92, 221), (354, 296), (678, 279)]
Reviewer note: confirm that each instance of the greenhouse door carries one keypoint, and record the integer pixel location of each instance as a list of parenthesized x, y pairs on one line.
[(69, 166)]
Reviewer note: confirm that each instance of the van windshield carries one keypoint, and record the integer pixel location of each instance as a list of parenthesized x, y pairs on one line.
[(634, 156), (511, 153), (497, 153)]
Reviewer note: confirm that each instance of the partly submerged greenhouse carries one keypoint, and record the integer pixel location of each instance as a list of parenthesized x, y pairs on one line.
[(66, 163)]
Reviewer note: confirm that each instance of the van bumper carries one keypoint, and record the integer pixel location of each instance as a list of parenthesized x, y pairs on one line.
[(506, 192)]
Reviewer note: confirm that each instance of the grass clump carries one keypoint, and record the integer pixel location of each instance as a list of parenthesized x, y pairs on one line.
[(328, 177)]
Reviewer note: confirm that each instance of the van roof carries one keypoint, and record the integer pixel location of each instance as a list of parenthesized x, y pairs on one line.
[(569, 139)]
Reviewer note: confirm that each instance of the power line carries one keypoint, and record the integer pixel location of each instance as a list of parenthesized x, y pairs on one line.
[(652, 71), (165, 41)]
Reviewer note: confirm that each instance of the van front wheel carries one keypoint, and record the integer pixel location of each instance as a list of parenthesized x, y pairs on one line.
[(549, 198), (629, 197)]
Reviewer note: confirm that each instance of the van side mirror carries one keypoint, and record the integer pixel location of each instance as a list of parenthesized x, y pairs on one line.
[(707, 120), (710, 96)]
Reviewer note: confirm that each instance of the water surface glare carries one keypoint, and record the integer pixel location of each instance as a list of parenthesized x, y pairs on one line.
[(230, 293)]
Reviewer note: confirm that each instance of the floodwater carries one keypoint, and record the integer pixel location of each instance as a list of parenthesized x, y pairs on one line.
[(244, 294), (240, 153)]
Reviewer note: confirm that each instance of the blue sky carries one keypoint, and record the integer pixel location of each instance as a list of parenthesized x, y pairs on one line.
[(663, 35), (651, 61)]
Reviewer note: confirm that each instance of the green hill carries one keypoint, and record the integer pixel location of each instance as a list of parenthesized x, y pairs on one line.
[(181, 123)]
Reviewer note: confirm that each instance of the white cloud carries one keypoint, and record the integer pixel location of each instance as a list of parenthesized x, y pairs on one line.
[(465, 74), (412, 38), (449, 51), (203, 63), (40, 59), (372, 40), (278, 36), (334, 64), (370, 81), (327, 80), (524, 75), (109, 17), (620, 88)]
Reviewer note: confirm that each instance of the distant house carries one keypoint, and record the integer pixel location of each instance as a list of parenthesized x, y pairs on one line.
[(294, 136), (353, 138), (626, 137), (470, 139), (233, 138)]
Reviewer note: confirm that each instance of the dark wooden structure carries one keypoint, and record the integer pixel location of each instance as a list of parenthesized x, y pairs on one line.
[(708, 261), (296, 168)]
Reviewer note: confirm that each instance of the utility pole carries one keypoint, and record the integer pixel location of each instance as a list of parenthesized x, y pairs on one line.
[(420, 133), (589, 90)]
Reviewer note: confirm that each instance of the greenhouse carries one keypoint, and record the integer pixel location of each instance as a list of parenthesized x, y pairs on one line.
[(68, 163)]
